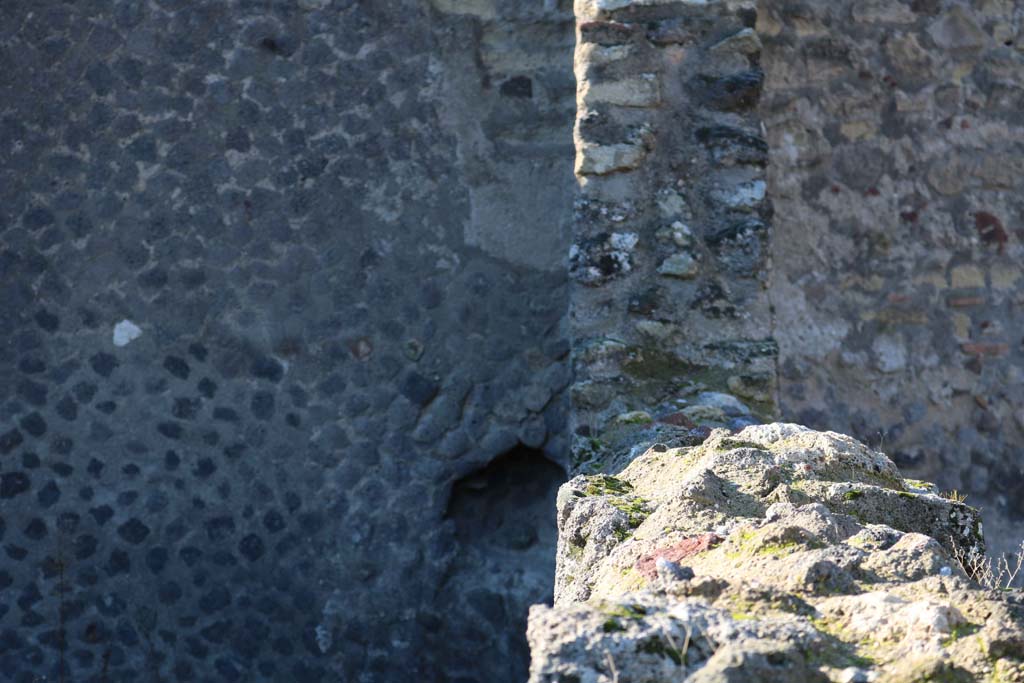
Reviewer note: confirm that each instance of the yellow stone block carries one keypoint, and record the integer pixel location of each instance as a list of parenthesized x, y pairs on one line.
[(935, 278), (961, 326), (967, 277), (856, 130)]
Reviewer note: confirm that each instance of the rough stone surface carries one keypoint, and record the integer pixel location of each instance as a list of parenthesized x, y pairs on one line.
[(796, 556), (670, 151), (895, 134), (341, 228)]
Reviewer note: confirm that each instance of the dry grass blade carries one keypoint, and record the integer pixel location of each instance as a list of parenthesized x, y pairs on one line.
[(995, 574)]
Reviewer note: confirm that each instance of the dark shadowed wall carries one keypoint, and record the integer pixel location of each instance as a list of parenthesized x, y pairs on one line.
[(274, 275)]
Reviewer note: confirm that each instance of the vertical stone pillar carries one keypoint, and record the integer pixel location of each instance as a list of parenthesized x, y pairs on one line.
[(669, 306)]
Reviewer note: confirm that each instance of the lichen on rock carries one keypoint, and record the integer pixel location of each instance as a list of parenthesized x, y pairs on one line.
[(775, 553)]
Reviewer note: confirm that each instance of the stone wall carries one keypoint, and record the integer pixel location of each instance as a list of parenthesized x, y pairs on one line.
[(271, 286), (895, 135), (872, 288), (668, 268), (774, 552), (283, 282)]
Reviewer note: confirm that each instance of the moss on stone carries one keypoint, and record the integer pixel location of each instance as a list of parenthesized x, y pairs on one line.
[(960, 631), (624, 610), (604, 485), (657, 646), (834, 652), (612, 625), (646, 363), (734, 444), (635, 508)]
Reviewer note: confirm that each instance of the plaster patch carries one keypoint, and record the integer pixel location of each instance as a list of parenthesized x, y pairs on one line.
[(125, 332), (803, 328), (890, 353)]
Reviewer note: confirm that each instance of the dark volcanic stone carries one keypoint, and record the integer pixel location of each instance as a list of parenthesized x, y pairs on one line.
[(156, 559), (133, 531), (36, 530), (47, 321), (220, 528), (419, 389), (34, 424), (267, 368), (172, 430), (10, 440), (33, 392), (13, 484), (103, 364), (251, 547), (733, 92), (48, 495), (67, 408), (177, 367), (185, 408), (262, 405)]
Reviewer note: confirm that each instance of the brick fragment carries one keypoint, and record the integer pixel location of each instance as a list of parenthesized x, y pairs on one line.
[(965, 301), (985, 349), (688, 547)]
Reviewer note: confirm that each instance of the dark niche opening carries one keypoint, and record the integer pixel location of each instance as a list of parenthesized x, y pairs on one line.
[(505, 537)]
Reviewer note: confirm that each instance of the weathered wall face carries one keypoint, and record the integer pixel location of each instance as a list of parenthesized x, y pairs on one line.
[(668, 267), (895, 136), (340, 316)]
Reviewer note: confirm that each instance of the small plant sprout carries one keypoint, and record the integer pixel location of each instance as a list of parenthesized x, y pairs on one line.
[(955, 496)]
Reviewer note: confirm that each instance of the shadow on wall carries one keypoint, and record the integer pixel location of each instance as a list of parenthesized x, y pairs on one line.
[(504, 561)]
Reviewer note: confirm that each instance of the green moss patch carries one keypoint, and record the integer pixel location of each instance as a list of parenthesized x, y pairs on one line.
[(624, 611), (604, 485), (657, 646)]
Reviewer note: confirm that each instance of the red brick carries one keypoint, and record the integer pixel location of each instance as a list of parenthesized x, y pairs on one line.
[(688, 547), (989, 349), (965, 301)]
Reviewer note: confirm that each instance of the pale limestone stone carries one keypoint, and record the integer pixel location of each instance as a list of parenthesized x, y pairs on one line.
[(967, 277), (681, 265), (745, 196), (744, 42), (485, 9), (883, 12), (957, 30), (857, 130), (656, 330), (641, 91), (908, 55), (594, 159), (890, 353), (595, 8)]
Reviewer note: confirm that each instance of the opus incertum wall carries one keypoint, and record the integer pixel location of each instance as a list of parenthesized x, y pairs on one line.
[(812, 207), (897, 146), (271, 294), (668, 264)]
